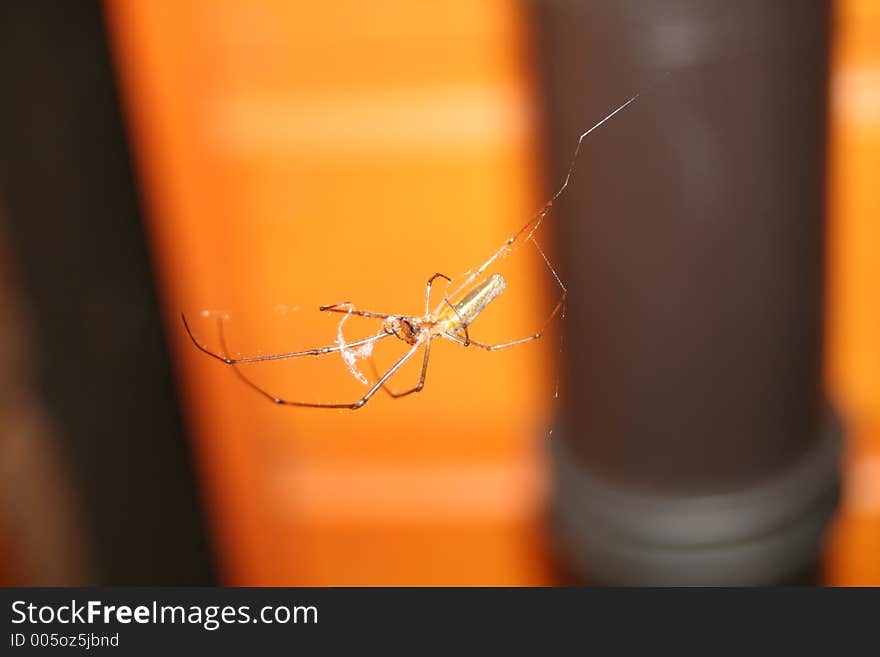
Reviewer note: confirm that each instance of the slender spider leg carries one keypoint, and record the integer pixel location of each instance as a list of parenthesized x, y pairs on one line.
[(495, 347), (428, 291), (348, 308), (467, 337), (560, 305), (418, 387), (454, 338), (319, 351), (532, 224), (352, 406), (446, 301)]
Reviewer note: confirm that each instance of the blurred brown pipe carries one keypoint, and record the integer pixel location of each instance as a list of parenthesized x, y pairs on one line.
[(695, 446)]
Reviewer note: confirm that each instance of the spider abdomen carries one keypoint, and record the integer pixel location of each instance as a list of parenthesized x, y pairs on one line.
[(463, 312)]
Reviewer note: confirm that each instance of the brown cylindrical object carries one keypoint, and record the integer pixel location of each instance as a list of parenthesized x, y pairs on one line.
[(692, 241)]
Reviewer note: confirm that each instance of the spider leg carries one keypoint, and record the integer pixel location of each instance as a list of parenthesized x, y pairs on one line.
[(418, 387), (467, 337), (351, 406), (560, 305), (445, 300), (319, 351), (532, 225), (523, 234), (347, 307), (455, 338), (504, 345), (428, 291)]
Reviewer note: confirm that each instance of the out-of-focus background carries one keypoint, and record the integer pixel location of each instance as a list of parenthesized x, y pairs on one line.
[(259, 160)]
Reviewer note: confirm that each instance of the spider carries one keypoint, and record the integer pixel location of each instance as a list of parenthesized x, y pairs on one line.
[(449, 320)]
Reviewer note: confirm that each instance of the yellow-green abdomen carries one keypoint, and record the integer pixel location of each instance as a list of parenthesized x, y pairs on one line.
[(472, 303)]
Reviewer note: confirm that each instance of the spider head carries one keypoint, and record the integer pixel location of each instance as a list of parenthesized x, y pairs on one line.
[(403, 328)]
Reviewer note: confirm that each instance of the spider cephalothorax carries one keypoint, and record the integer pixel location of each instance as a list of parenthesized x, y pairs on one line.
[(403, 328)]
